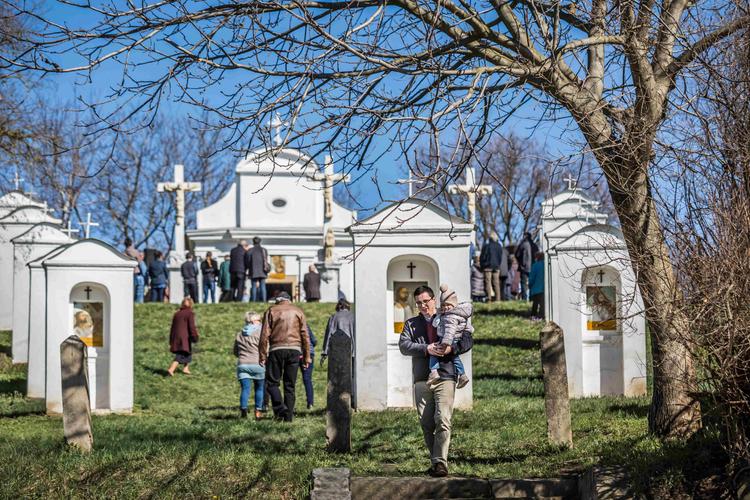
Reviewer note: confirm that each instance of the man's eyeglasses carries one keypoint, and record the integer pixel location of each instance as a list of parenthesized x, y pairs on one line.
[(424, 302)]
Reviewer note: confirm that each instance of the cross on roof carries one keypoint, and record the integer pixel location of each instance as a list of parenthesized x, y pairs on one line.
[(17, 180), (276, 123), (572, 182), (87, 225), (69, 230), (409, 182)]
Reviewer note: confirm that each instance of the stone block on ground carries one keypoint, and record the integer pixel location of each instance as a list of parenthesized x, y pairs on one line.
[(75, 394), (339, 396), (331, 484), (556, 402)]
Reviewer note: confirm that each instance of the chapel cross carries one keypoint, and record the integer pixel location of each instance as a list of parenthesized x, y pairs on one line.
[(276, 124), (69, 230), (329, 179), (471, 189), (87, 225), (411, 268), (179, 187), (88, 291), (410, 182), (17, 180), (572, 182), (601, 275)]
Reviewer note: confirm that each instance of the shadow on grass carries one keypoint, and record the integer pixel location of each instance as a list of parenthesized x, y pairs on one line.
[(526, 313), (156, 371), (13, 385), (630, 408), (513, 343), (23, 412), (5, 349), (506, 377)]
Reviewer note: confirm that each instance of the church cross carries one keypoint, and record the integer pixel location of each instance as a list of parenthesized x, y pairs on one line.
[(276, 124), (411, 268), (87, 225), (88, 291), (572, 182), (17, 180), (471, 189), (329, 178), (179, 187), (601, 275), (69, 230), (410, 182)]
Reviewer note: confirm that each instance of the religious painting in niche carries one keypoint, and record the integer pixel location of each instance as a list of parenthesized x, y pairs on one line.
[(88, 322), (602, 305), (278, 267), (403, 302)]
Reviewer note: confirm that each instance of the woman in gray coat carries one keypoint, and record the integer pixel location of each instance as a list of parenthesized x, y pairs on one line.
[(248, 365)]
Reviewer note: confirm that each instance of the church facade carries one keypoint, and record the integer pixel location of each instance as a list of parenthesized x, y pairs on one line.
[(283, 197)]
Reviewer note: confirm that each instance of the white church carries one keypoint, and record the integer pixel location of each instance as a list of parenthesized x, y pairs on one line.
[(283, 197)]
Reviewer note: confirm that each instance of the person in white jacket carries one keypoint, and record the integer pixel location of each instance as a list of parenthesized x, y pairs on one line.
[(453, 321)]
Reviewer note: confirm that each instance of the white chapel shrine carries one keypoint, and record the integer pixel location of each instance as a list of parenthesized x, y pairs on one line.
[(591, 292)]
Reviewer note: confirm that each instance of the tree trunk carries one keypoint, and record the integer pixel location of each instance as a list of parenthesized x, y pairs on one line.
[(675, 411)]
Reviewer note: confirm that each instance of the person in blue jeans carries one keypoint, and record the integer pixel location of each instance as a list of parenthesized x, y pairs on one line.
[(249, 370), (140, 279), (307, 373), (210, 271), (453, 321), (159, 276)]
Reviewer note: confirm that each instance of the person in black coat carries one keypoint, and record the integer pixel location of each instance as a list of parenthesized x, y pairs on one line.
[(159, 277), (210, 272), (256, 262), (494, 262), (190, 277), (237, 270), (311, 284)]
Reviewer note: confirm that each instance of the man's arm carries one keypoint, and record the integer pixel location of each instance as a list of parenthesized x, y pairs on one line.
[(305, 340), (407, 344), (264, 333)]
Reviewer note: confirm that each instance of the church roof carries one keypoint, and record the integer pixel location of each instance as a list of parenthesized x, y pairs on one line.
[(44, 232), (412, 214), (28, 214), (87, 253), (286, 161), (17, 198), (571, 203)]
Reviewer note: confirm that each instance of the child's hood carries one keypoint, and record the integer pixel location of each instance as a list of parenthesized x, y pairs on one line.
[(464, 310), (249, 329)]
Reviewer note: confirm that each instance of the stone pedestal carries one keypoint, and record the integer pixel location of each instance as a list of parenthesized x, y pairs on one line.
[(176, 287), (75, 394), (339, 401), (556, 403), (330, 281)]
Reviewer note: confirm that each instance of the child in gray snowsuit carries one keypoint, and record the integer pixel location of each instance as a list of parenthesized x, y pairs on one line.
[(452, 322)]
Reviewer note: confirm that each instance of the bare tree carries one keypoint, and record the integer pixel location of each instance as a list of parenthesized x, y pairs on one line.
[(346, 72)]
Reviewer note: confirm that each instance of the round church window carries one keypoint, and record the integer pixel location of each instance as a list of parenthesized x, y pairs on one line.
[(279, 203)]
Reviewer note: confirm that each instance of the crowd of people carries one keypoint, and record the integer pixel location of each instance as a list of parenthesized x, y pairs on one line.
[(270, 349), (501, 273)]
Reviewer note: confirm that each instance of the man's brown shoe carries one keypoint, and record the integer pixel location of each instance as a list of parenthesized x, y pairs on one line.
[(439, 470)]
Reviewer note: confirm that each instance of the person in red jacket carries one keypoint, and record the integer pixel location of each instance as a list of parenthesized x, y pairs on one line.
[(182, 336)]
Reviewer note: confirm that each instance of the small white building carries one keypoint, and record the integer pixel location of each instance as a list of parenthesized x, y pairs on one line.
[(12, 224), (14, 199), (88, 292), (401, 247), (591, 292), (281, 197), (37, 241)]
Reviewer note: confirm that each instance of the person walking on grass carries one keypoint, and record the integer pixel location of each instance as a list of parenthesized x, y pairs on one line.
[(536, 287), (311, 284), (182, 336), (258, 267), (249, 368), (210, 271), (419, 340), (284, 338), (237, 270), (225, 280), (307, 373)]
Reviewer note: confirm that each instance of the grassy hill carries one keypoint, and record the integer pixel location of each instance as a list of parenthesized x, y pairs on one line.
[(184, 438)]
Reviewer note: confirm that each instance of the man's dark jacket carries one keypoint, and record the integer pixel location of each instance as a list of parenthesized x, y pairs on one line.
[(255, 259), (237, 260), (413, 342), (494, 257)]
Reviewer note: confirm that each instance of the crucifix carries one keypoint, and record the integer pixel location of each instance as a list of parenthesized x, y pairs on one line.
[(179, 187), (471, 189), (411, 268), (601, 275), (87, 225), (572, 182), (276, 124), (329, 179), (88, 291), (69, 230)]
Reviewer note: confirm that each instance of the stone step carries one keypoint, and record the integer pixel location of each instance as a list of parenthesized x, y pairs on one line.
[(456, 488)]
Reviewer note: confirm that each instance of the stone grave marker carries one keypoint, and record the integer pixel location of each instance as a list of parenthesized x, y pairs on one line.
[(339, 403), (556, 403), (75, 394)]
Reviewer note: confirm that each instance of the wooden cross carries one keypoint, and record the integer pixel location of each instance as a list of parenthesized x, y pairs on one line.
[(601, 275), (572, 182), (87, 225), (411, 268), (329, 179), (69, 230), (88, 291), (179, 187)]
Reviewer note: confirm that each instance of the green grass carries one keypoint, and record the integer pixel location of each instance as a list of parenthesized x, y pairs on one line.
[(184, 437)]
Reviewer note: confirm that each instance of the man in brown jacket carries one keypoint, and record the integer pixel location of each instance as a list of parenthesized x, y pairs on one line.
[(284, 338)]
